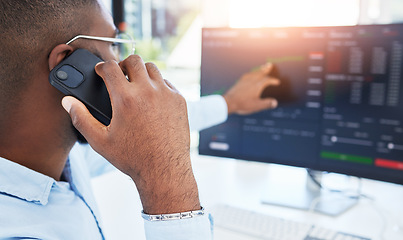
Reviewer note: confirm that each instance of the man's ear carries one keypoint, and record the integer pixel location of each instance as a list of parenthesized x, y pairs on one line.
[(58, 54)]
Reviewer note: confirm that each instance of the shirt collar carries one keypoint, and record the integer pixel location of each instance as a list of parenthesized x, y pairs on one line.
[(24, 183)]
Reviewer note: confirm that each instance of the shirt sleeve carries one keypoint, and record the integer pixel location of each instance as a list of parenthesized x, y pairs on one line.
[(209, 111), (199, 228)]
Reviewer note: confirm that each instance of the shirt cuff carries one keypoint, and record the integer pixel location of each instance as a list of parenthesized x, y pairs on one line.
[(198, 228), (209, 111)]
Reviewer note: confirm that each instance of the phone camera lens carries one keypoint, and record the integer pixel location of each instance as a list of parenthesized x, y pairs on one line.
[(69, 76), (62, 75)]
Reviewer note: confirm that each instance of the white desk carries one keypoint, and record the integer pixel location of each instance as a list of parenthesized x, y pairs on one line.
[(242, 184)]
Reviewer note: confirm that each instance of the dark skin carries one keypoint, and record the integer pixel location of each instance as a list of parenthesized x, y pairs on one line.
[(40, 135)]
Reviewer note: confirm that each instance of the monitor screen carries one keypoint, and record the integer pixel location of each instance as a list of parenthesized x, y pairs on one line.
[(340, 104)]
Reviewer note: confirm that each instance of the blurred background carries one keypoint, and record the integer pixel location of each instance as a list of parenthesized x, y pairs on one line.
[(168, 32)]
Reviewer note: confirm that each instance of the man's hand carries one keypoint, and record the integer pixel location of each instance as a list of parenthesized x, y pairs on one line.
[(148, 137), (244, 97)]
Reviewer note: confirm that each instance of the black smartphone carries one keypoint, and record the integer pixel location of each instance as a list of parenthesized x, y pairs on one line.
[(75, 76)]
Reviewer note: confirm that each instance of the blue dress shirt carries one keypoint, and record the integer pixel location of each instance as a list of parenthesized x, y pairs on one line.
[(35, 206)]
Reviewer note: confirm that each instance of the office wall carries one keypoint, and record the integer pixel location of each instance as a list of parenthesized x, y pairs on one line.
[(381, 11)]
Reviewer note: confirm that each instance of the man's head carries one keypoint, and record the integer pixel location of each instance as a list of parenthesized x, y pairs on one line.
[(34, 33), (29, 30)]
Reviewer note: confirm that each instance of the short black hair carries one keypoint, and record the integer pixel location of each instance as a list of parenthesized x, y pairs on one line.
[(29, 30)]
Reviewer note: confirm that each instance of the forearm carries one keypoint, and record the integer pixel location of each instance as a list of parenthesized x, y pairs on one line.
[(169, 191), (148, 137)]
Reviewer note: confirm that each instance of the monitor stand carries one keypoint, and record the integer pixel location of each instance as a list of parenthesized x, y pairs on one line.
[(303, 193)]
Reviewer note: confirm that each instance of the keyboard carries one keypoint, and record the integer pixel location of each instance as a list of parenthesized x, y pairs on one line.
[(263, 226)]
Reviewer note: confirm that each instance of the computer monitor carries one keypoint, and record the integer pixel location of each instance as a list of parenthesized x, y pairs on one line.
[(340, 100)]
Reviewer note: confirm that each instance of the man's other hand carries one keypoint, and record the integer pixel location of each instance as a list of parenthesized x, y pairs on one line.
[(148, 137), (244, 97)]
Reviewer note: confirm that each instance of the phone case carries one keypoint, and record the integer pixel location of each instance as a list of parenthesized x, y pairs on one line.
[(75, 76)]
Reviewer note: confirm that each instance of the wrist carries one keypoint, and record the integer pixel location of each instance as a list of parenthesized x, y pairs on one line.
[(230, 104), (171, 191), (167, 199), (173, 216)]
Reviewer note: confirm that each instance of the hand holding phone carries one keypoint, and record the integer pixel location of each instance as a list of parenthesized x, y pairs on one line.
[(148, 137)]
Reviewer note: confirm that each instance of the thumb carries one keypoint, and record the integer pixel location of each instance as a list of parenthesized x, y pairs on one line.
[(83, 121)]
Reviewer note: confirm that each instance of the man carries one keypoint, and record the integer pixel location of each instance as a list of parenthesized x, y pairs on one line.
[(44, 189)]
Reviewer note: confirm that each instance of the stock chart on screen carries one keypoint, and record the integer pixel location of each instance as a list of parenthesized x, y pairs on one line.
[(340, 104)]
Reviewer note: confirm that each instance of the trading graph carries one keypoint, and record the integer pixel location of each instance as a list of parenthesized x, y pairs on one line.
[(339, 99)]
